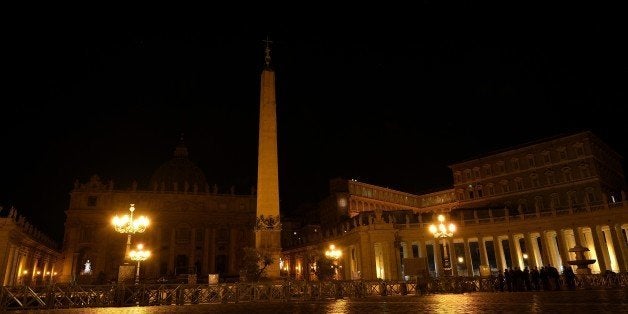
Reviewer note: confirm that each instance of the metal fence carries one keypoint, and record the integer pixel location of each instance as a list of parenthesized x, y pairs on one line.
[(82, 296)]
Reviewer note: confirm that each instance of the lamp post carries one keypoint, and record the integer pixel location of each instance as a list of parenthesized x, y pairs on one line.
[(139, 255), (334, 254), (443, 232), (126, 224)]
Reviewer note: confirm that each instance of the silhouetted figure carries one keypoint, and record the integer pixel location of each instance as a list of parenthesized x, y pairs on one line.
[(500, 281), (526, 279), (536, 280), (555, 276), (570, 277), (508, 275), (544, 275)]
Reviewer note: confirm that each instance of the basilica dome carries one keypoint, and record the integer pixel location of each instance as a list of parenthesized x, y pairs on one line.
[(179, 174)]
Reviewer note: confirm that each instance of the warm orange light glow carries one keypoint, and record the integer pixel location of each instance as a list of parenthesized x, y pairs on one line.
[(333, 253), (126, 223), (442, 230)]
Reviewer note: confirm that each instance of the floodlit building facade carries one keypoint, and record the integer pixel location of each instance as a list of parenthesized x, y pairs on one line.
[(193, 228), (525, 206), (27, 256)]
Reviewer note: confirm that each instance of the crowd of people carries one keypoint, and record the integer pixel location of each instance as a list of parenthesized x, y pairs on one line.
[(547, 279)]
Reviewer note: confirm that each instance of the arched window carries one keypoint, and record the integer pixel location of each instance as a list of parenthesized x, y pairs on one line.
[(549, 175)]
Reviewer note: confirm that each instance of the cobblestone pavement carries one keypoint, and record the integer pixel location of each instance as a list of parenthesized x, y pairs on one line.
[(582, 301)]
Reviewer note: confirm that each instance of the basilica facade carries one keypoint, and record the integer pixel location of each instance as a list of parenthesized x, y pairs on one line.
[(193, 228), (524, 206)]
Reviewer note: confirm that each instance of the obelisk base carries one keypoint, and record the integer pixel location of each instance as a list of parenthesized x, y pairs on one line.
[(269, 241)]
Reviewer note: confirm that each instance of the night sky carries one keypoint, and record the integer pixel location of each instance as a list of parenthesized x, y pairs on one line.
[(388, 102)]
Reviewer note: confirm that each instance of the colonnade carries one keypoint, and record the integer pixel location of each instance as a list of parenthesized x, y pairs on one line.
[(607, 244)]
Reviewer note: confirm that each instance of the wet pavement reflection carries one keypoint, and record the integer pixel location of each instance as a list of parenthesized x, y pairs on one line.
[(581, 301)]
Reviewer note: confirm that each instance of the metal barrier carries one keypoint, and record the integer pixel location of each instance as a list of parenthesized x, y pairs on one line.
[(85, 296)]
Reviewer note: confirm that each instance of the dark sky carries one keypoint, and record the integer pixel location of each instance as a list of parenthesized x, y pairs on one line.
[(389, 102)]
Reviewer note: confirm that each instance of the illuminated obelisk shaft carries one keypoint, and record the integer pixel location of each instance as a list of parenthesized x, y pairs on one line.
[(268, 227)]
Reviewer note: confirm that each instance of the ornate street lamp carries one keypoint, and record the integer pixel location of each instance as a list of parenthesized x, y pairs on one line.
[(126, 224), (138, 255), (443, 232), (334, 254)]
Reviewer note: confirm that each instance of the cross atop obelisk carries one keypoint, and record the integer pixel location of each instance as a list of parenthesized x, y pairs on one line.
[(268, 226), (267, 51)]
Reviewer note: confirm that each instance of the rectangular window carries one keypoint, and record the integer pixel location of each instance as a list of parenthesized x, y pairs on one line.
[(487, 170), (501, 168), (476, 173), (519, 185), (531, 161), (580, 151), (515, 164), (491, 190), (415, 250), (563, 154), (546, 158), (479, 193)]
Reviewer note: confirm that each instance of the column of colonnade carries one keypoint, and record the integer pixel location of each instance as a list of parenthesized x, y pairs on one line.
[(607, 244)]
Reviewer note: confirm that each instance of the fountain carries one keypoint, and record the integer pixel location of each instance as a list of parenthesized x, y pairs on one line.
[(581, 261)]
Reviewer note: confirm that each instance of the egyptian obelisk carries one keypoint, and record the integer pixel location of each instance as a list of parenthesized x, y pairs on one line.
[(268, 226)]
